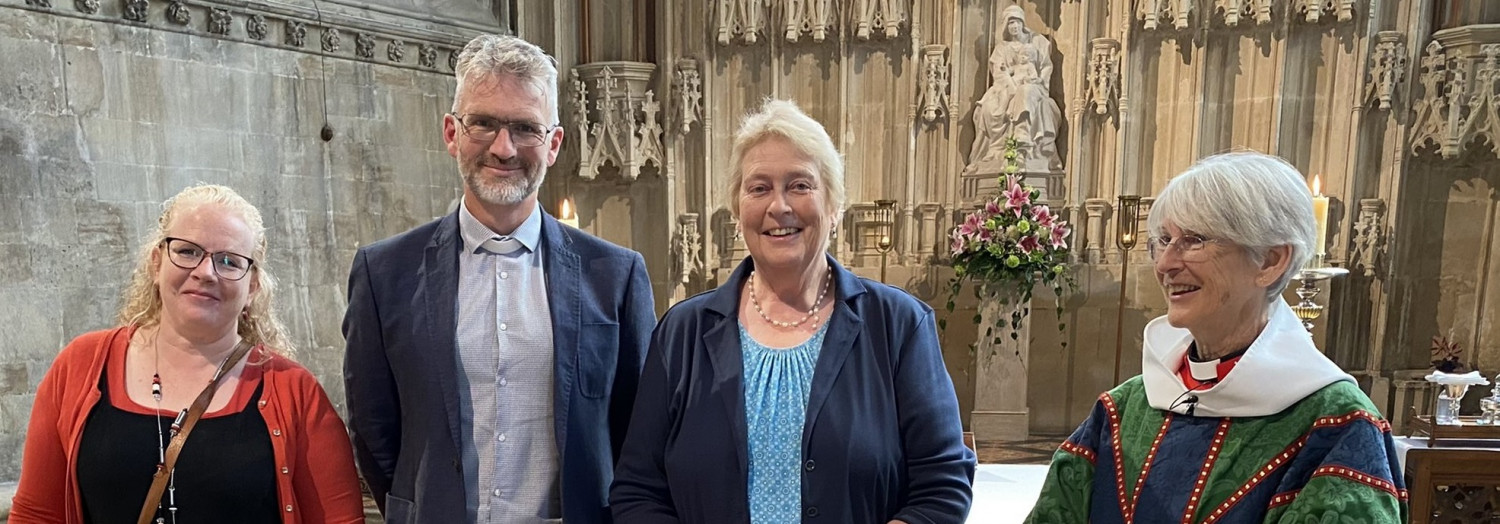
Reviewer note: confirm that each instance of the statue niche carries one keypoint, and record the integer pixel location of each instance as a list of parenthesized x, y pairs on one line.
[(1017, 104)]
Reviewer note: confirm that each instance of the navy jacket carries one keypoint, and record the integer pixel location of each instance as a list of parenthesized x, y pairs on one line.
[(882, 441), (400, 371)]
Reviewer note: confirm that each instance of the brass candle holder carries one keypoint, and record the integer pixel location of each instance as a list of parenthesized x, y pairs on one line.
[(884, 247), (1127, 222), (886, 210), (1307, 309)]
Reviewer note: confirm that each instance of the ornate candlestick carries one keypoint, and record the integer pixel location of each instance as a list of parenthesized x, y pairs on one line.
[(884, 247), (887, 213), (1309, 310), (1127, 222)]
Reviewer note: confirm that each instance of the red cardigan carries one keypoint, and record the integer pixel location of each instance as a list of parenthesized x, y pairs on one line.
[(317, 481)]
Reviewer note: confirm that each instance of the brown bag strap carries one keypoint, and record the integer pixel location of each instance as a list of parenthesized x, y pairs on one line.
[(180, 429)]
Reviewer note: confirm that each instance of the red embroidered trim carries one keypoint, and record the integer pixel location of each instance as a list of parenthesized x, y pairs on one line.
[(1146, 467), (1360, 477), (1114, 441), (1086, 453), (1291, 451), (1328, 422), (1276, 462), (1282, 499), (1208, 465)]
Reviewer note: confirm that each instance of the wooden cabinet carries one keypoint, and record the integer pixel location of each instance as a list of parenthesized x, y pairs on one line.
[(1458, 482)]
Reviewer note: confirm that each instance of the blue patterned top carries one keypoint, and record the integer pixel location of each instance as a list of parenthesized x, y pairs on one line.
[(777, 384)]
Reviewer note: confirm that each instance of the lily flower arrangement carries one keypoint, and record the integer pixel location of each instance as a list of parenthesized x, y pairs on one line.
[(1007, 246)]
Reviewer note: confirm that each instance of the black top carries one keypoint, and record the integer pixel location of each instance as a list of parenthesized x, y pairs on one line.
[(226, 471)]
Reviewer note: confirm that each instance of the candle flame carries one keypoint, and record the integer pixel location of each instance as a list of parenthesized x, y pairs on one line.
[(567, 209), (1317, 185)]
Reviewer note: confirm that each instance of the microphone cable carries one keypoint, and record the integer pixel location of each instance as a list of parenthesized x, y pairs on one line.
[(1189, 398)]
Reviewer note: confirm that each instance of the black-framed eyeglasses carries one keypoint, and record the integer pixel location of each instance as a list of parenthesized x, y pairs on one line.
[(480, 128), (187, 255), (1189, 247)]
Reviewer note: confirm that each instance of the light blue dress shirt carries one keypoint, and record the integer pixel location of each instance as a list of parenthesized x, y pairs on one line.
[(505, 374)]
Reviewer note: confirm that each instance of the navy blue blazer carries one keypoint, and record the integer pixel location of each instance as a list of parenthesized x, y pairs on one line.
[(882, 441), (400, 371)]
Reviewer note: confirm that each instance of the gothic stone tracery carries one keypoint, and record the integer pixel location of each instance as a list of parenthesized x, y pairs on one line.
[(745, 21), (622, 130)]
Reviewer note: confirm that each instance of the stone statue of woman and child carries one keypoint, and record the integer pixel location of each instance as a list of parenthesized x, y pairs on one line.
[(1017, 104)]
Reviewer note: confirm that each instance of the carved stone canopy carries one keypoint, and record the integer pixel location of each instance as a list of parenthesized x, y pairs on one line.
[(1181, 15), (617, 118), (1459, 102), (1387, 69), (747, 22), (687, 85)]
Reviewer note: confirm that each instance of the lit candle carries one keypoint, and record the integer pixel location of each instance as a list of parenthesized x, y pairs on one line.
[(566, 215), (1320, 216)]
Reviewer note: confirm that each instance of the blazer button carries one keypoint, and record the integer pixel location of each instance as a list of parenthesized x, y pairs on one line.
[(810, 465), (812, 511)]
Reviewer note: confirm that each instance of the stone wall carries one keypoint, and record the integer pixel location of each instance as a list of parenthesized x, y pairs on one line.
[(100, 121)]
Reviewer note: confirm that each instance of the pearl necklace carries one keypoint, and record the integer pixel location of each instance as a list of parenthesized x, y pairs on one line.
[(812, 314)]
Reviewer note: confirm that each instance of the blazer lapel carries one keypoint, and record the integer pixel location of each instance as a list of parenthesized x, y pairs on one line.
[(439, 287), (564, 271), (727, 357), (844, 326)]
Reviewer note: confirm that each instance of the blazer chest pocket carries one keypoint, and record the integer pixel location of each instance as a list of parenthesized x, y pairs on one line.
[(397, 510), (598, 352)]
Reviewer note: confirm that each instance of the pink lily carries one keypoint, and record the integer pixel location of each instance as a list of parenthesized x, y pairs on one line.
[(1042, 216), (1017, 197), (1028, 244), (1060, 235), (971, 224)]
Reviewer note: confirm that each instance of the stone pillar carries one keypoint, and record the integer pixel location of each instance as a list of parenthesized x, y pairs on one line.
[(1000, 411)]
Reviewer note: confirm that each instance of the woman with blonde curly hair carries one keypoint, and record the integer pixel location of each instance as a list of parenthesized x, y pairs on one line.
[(108, 429)]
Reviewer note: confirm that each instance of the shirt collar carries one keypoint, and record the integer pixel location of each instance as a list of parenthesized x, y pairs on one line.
[(475, 233)]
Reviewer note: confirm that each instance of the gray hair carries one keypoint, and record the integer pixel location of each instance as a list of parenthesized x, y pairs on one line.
[(1252, 199), (491, 56), (783, 119)]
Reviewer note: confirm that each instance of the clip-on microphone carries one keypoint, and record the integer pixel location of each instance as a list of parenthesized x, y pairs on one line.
[(1189, 398)]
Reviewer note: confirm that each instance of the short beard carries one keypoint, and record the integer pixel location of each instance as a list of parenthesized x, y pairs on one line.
[(504, 193)]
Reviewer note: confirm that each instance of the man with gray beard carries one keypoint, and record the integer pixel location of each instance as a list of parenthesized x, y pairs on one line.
[(493, 354)]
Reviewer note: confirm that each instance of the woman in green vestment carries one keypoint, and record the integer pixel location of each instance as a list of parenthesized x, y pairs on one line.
[(1236, 416)]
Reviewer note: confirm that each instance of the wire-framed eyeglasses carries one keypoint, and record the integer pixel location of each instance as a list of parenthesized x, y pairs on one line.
[(480, 128), (187, 255), (1189, 247)]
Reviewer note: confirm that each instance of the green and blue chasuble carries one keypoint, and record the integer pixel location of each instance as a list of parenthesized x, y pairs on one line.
[(1285, 437)]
